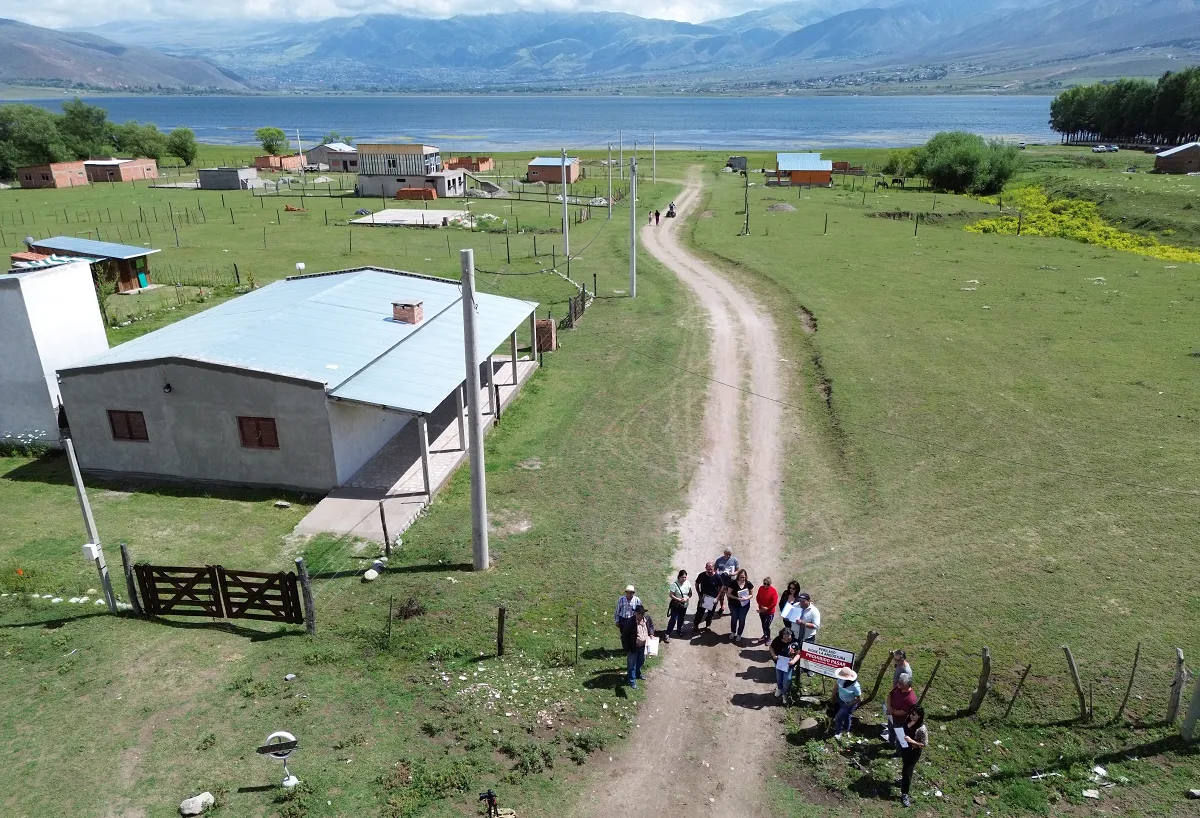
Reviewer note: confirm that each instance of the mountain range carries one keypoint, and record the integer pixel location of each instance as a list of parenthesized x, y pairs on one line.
[(790, 44)]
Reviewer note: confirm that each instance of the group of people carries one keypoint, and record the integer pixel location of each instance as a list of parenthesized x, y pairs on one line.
[(725, 585), (655, 216)]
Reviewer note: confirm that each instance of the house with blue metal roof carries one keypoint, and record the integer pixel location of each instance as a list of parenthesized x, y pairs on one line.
[(296, 384), (549, 169), (126, 266), (802, 169)]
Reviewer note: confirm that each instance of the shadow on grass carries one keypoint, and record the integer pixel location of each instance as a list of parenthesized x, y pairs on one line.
[(229, 628), (1169, 744), (453, 568), (758, 673), (602, 653), (54, 624), (754, 701), (604, 679)]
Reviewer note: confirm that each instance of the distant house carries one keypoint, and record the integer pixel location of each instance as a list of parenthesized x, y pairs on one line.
[(385, 169), (128, 265), (281, 163), (802, 169), (548, 169), (335, 156), (120, 170), (1184, 159), (296, 384), (49, 319), (228, 178), (55, 174), (477, 164)]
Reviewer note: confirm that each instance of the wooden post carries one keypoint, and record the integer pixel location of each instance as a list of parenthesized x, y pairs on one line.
[(130, 585), (1177, 684), (310, 612), (1083, 708), (826, 233), (985, 679), (493, 408), (866, 648), (576, 637), (500, 632), (929, 681), (1020, 221), (882, 671), (462, 426), (387, 541), (391, 613), (533, 348), (1017, 692), (423, 433), (1137, 654)]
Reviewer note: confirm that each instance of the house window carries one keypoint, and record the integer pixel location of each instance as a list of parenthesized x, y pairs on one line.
[(258, 433), (127, 425), (28, 177), (45, 177)]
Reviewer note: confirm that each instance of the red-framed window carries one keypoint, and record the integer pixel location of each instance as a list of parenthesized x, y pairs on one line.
[(127, 425), (258, 433)]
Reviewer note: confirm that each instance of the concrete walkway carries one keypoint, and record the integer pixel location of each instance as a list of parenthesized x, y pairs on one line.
[(394, 474)]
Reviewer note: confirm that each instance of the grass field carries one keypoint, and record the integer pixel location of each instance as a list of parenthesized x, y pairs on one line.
[(1007, 459), (937, 497)]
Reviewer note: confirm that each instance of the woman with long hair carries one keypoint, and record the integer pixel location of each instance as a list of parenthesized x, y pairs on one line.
[(740, 593), (916, 736)]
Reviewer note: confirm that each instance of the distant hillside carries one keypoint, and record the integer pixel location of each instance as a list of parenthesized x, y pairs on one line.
[(32, 55)]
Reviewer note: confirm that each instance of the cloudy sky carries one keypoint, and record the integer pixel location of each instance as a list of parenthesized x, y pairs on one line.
[(83, 13)]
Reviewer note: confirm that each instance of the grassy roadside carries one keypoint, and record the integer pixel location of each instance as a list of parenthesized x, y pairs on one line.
[(581, 474), (936, 499)]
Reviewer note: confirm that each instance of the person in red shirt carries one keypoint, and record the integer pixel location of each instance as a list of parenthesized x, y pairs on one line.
[(767, 598), (901, 702)]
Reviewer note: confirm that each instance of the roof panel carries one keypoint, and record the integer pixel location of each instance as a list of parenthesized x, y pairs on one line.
[(551, 161), (1179, 149), (99, 249), (802, 161)]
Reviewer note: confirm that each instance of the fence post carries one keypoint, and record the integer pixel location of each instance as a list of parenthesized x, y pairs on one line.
[(878, 679), (1177, 684), (929, 681), (1137, 654), (866, 648), (130, 585), (310, 612), (985, 678), (500, 632), (1017, 692), (577, 637), (1083, 708), (387, 541)]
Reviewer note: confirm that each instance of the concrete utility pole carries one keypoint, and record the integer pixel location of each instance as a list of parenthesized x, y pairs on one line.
[(746, 226), (621, 156), (92, 549), (479, 523), (633, 228), (566, 227), (610, 180), (653, 159)]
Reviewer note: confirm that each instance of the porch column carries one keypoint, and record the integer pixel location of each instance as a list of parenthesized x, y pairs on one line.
[(512, 343), (533, 350), (491, 388), (462, 427), (423, 434)]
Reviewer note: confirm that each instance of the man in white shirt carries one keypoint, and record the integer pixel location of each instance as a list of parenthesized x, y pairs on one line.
[(808, 622)]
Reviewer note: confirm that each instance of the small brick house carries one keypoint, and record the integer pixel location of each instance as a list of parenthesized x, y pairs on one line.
[(293, 162), (55, 174), (477, 164), (120, 170), (1184, 159), (549, 169)]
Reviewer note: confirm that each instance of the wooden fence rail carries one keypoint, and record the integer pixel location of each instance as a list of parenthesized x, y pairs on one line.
[(219, 593)]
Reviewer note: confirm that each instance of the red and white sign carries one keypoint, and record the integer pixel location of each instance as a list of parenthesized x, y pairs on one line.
[(823, 659)]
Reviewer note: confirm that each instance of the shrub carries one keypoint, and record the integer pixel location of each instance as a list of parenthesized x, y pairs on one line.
[(900, 163), (964, 163)]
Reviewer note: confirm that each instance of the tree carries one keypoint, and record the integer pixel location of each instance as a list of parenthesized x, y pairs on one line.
[(334, 136), (1131, 109), (85, 129), (901, 163), (135, 139), (965, 163), (273, 140), (28, 136), (181, 142)]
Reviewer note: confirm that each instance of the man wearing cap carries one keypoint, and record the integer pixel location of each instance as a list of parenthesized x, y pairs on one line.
[(625, 606), (709, 585), (727, 566), (808, 622), (849, 697), (635, 633)]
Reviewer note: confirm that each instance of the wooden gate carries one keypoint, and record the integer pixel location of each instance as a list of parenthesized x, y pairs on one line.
[(216, 592)]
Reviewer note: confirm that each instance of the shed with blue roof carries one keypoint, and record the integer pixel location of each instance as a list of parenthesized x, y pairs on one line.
[(803, 169), (296, 384), (125, 266), (549, 169)]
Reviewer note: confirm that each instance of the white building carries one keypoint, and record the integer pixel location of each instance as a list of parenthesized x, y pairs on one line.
[(49, 319)]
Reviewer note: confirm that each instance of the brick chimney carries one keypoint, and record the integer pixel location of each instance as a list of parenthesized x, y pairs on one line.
[(408, 312)]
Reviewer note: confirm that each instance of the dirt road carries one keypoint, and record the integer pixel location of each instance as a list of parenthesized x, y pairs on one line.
[(710, 725)]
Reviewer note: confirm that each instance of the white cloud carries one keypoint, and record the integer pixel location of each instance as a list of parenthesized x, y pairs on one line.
[(86, 13)]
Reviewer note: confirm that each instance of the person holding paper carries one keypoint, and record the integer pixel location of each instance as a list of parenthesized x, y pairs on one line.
[(740, 593), (789, 603), (785, 656), (915, 737), (680, 592), (767, 598), (808, 620), (901, 702), (708, 586), (727, 566), (900, 667), (634, 635)]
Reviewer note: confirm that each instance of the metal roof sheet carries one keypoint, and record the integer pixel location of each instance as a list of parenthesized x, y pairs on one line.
[(99, 249), (802, 161), (551, 161), (1174, 151), (338, 147), (337, 329)]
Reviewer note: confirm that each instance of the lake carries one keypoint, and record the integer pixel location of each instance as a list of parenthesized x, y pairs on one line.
[(498, 122)]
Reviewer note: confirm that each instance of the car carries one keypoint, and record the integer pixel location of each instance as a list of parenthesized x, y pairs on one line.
[(1021, 145), (1099, 148)]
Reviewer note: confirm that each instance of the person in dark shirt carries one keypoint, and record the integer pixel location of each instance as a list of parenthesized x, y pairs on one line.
[(708, 586)]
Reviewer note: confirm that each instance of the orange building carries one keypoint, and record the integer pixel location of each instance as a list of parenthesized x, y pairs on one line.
[(803, 169), (120, 170), (55, 174), (293, 162), (478, 164), (548, 169)]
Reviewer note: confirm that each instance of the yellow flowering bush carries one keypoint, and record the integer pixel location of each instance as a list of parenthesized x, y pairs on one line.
[(1076, 219)]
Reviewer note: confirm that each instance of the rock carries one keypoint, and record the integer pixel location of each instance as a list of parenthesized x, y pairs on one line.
[(289, 677), (980, 800), (378, 566), (809, 724), (282, 504), (1092, 794), (370, 575), (810, 700), (56, 600), (197, 804), (1193, 793)]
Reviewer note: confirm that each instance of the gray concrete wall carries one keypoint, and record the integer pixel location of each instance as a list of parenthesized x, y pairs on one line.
[(359, 432), (193, 429), (386, 186)]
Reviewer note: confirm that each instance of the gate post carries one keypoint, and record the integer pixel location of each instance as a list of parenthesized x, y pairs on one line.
[(310, 613), (130, 586)]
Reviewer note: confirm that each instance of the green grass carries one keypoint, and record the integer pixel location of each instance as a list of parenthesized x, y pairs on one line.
[(142, 714), (1005, 461)]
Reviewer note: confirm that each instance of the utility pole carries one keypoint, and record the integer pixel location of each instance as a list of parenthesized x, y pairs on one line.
[(653, 159), (92, 549), (566, 229), (746, 226), (621, 156), (633, 226), (610, 180), (479, 524)]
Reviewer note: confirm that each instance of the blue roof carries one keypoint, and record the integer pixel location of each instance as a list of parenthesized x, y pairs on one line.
[(802, 161), (337, 329), (551, 161), (88, 247)]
